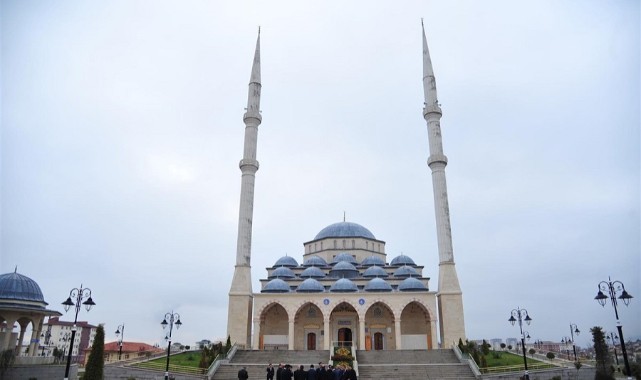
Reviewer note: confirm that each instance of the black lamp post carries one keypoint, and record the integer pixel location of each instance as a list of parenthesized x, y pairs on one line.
[(574, 330), (614, 345), (521, 315), (120, 334), (78, 294), (567, 341), (174, 319), (612, 287)]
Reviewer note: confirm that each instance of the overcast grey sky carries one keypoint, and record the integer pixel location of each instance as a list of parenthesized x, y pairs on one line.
[(122, 131)]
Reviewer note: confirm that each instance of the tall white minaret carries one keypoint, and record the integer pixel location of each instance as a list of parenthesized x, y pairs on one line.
[(449, 295), (239, 319)]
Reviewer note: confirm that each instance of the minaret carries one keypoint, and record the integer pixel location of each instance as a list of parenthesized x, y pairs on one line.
[(239, 319), (449, 295)]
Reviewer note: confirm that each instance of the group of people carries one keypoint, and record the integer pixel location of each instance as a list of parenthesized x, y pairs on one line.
[(322, 372)]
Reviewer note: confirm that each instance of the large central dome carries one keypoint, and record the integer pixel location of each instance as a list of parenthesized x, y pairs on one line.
[(14, 286), (344, 229)]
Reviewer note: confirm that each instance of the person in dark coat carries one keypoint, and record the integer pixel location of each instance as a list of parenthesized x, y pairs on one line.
[(242, 374), (311, 374), (287, 373), (270, 372), (300, 373), (279, 372)]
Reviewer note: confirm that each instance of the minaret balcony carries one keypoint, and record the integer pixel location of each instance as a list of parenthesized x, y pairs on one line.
[(433, 108)]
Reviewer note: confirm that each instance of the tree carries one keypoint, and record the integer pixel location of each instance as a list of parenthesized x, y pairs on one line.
[(550, 355), (532, 351), (503, 346), (509, 347), (483, 362), (485, 347), (96, 362), (601, 352), (228, 344), (6, 361), (461, 346)]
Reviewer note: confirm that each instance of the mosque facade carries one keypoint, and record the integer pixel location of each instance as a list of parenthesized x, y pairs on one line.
[(345, 291)]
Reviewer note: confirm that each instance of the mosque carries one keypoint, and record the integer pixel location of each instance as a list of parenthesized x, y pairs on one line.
[(345, 291)]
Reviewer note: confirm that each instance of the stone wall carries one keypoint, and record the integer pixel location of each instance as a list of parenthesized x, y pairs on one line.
[(40, 372)]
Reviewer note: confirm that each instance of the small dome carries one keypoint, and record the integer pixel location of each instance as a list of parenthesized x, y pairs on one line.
[(344, 256), (14, 286), (286, 261), (373, 260), (282, 272), (310, 286), (276, 286), (344, 229), (343, 285), (405, 271), (402, 260), (378, 285), (411, 284), (375, 271), (312, 272), (315, 261), (344, 269)]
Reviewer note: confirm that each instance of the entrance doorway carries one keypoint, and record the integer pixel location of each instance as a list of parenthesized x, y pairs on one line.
[(378, 341), (311, 341), (344, 337)]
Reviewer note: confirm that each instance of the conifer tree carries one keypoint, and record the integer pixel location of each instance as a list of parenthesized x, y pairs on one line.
[(96, 362)]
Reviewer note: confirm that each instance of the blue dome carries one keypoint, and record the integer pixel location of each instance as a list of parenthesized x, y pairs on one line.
[(312, 272), (343, 285), (282, 272), (315, 261), (286, 261), (344, 269), (344, 229), (276, 286), (411, 284), (14, 286), (402, 260), (344, 256), (375, 271), (405, 271), (378, 285), (310, 286), (373, 260)]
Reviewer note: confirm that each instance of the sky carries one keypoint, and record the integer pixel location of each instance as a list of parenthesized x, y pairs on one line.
[(122, 131)]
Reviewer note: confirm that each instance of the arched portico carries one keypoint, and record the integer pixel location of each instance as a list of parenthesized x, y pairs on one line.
[(308, 327), (417, 327), (344, 325), (273, 327), (380, 329)]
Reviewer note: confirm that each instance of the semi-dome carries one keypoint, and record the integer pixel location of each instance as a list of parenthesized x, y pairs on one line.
[(14, 286), (411, 284), (402, 260), (378, 285), (316, 261), (310, 286), (344, 269), (405, 271), (343, 285), (375, 271), (344, 229), (344, 256), (373, 260), (312, 272), (286, 261), (282, 272), (276, 286)]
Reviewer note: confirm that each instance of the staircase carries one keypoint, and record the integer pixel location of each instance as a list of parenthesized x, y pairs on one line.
[(256, 362), (411, 364)]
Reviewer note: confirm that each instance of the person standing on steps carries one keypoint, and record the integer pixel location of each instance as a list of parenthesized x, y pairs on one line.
[(300, 373), (242, 374), (270, 372), (311, 374), (279, 372)]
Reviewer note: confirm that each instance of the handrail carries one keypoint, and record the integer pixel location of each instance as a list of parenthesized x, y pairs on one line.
[(470, 361), (220, 360)]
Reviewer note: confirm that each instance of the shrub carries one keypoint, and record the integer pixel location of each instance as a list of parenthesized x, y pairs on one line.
[(550, 355)]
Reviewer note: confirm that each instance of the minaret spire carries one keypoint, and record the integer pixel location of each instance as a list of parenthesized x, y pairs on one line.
[(450, 297), (239, 320)]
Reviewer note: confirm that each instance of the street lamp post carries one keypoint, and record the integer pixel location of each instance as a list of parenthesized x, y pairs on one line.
[(120, 334), (574, 330), (612, 287), (521, 315), (78, 294), (614, 345), (174, 319)]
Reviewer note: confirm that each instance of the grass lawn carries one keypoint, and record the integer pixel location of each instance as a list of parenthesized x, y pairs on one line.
[(185, 359), (507, 359)]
